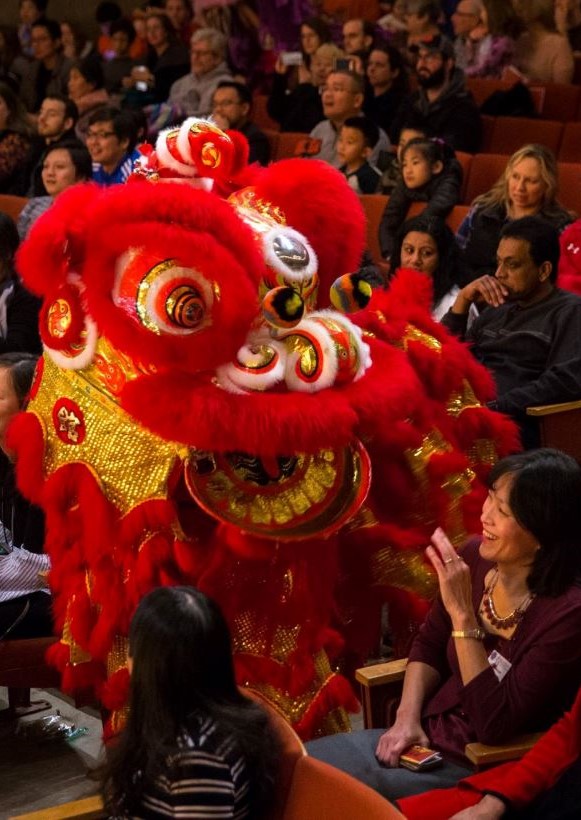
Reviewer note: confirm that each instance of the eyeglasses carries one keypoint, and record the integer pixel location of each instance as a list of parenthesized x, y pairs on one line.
[(100, 135)]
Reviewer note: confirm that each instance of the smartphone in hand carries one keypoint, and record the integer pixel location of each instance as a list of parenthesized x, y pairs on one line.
[(420, 758)]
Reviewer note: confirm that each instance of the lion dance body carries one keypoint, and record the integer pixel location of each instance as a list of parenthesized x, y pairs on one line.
[(202, 416)]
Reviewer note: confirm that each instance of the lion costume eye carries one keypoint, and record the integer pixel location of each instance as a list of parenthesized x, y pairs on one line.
[(289, 254), (291, 262), (165, 296)]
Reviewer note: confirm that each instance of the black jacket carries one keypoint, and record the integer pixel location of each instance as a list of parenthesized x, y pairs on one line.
[(441, 193), (299, 110), (533, 353), (453, 116)]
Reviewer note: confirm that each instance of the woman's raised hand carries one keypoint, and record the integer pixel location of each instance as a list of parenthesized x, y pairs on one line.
[(454, 580), (397, 739)]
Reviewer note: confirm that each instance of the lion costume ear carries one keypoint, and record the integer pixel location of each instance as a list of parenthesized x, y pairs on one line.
[(50, 263)]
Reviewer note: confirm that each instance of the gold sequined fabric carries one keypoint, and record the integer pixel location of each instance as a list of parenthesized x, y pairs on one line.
[(131, 463)]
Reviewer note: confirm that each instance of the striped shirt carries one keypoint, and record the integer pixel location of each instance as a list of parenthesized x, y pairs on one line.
[(19, 574), (205, 780)]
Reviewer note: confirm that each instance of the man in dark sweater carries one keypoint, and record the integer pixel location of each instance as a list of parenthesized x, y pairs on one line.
[(231, 110), (442, 98), (528, 332)]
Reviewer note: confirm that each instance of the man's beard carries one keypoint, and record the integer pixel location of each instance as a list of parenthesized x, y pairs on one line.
[(434, 80)]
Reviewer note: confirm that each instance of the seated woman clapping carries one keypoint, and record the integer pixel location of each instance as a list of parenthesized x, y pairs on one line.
[(499, 653)]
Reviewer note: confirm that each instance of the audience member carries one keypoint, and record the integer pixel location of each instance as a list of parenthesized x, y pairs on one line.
[(528, 336), (62, 166), (18, 308), (465, 19), (111, 139), (474, 674), (527, 187), (193, 744), (388, 84), (49, 71), (422, 19), (12, 63), (166, 62), (76, 46), (493, 41), (192, 95), (342, 98), (430, 173), (568, 21), (426, 244), (357, 138), (569, 274), (180, 15), (56, 122), (16, 143), (413, 128), (301, 108), (542, 54), (106, 13), (394, 22), (121, 63), (85, 86), (138, 48), (442, 98), (25, 603), (231, 109), (313, 33), (358, 36), (29, 11)]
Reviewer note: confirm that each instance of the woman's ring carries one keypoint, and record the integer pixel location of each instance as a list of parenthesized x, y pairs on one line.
[(448, 560)]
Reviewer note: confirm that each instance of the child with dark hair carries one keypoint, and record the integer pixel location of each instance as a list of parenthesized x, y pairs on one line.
[(430, 173), (193, 744), (357, 139)]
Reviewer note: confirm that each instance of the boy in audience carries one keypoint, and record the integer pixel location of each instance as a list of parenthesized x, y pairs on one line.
[(358, 137), (111, 139)]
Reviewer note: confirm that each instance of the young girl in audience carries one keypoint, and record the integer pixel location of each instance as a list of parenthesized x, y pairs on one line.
[(193, 745), (430, 173)]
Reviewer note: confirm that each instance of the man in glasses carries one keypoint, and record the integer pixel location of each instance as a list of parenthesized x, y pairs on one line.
[(191, 96), (111, 138)]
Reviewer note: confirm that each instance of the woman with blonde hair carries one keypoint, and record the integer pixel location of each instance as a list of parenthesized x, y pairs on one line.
[(527, 187)]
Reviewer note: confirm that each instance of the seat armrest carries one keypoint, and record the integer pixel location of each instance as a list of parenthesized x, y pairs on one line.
[(482, 755), (380, 687), (381, 673), (550, 409)]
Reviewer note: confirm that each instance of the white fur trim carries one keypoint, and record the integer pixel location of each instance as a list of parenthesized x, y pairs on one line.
[(167, 160)]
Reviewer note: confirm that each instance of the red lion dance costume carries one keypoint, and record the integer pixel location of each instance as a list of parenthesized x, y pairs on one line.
[(201, 416)]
